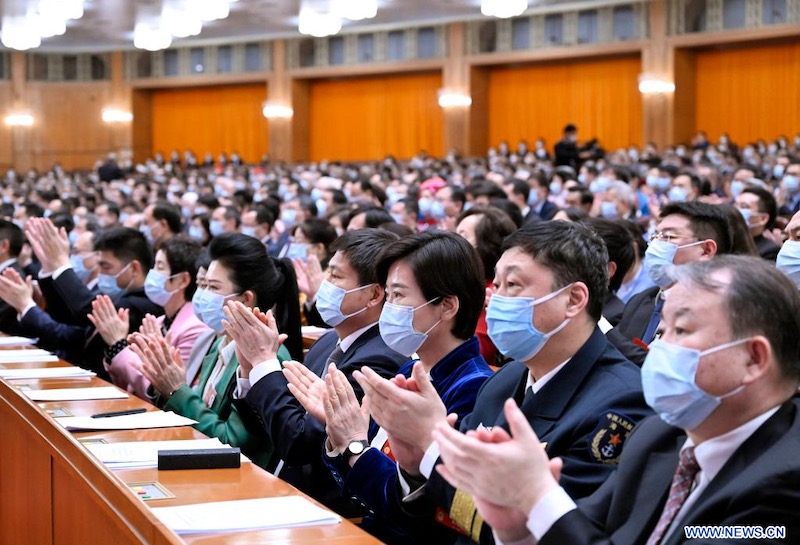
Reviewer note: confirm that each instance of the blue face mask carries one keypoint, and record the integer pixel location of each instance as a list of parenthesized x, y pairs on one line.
[(322, 207), (677, 194), (197, 233), (658, 260), (398, 218), (215, 228), (154, 287), (107, 283), (511, 329), (668, 382), (533, 198), (600, 184), (609, 210), (80, 269), (73, 237), (298, 250), (437, 210), (249, 231), (736, 188), (425, 206), (329, 303), (147, 232), (397, 328), (316, 194), (791, 183), (208, 307), (788, 260), (746, 214), (288, 217)]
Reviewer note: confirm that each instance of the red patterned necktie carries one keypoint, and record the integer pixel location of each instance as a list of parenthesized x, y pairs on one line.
[(678, 492)]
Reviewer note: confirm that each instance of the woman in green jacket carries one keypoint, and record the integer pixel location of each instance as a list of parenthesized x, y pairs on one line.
[(240, 270)]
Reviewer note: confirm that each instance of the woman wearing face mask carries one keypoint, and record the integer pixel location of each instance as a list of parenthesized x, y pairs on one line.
[(239, 271), (171, 285), (432, 312)]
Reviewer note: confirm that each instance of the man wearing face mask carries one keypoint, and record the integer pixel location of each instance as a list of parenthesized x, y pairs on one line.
[(161, 222), (575, 389), (758, 207), (722, 453), (790, 185), (788, 260), (350, 300), (540, 207), (686, 232)]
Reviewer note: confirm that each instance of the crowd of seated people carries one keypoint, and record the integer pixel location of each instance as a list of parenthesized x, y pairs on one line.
[(532, 307)]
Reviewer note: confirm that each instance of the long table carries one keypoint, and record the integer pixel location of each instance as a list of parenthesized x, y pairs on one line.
[(53, 491)]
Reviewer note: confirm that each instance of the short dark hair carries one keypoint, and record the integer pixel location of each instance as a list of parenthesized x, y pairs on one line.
[(511, 210), (766, 204), (490, 231), (708, 221), (760, 300), (619, 244), (13, 234), (587, 198), (361, 248), (273, 282), (518, 187), (182, 255), (264, 216), (443, 264), (373, 216), (126, 245), (232, 213), (319, 231), (112, 207), (163, 210), (572, 252)]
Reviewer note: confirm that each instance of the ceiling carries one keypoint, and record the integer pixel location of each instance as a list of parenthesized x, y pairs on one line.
[(108, 24)]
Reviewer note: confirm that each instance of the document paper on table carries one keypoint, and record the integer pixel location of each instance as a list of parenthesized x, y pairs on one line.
[(76, 394), (240, 515), (26, 356), (145, 453), (46, 372), (13, 340), (141, 421)]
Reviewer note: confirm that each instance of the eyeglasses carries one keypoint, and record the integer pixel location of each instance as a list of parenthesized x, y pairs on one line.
[(672, 238)]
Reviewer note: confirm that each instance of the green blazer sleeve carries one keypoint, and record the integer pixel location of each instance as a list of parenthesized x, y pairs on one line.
[(222, 420)]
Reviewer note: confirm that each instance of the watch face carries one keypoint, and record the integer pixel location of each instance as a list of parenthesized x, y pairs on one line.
[(356, 447)]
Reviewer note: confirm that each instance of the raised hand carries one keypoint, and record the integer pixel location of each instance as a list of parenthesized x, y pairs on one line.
[(309, 275), (346, 419), (160, 363), (15, 291), (110, 323), (256, 341), (307, 387), (50, 245)]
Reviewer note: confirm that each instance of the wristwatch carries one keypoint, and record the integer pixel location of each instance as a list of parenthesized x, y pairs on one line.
[(354, 448)]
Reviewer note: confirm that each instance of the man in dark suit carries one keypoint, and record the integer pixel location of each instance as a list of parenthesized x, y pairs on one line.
[(354, 342), (123, 260), (760, 210), (723, 454), (11, 241), (687, 231), (574, 388), (539, 207)]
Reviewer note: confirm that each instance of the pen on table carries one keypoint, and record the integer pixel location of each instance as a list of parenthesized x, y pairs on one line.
[(120, 413)]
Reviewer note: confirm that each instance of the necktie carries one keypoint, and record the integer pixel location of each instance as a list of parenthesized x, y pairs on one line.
[(655, 319), (335, 357), (678, 492)]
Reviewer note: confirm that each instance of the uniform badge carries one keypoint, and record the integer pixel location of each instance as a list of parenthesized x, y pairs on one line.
[(608, 438)]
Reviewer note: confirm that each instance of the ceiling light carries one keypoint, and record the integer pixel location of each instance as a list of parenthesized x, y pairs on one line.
[(355, 10), (19, 33), (317, 24), (49, 26), (181, 23), (19, 119), (150, 37), (276, 111), (62, 9), (210, 10), (115, 115), (503, 8)]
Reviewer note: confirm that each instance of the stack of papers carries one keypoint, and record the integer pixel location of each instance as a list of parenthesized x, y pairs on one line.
[(239, 515), (45, 372), (26, 356), (141, 421), (145, 453), (76, 394), (17, 341)]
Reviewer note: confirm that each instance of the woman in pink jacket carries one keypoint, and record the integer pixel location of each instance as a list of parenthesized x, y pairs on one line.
[(171, 283)]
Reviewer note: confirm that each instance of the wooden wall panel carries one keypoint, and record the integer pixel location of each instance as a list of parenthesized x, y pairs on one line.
[(68, 124), (212, 119), (750, 92), (600, 96), (6, 148), (369, 117)]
